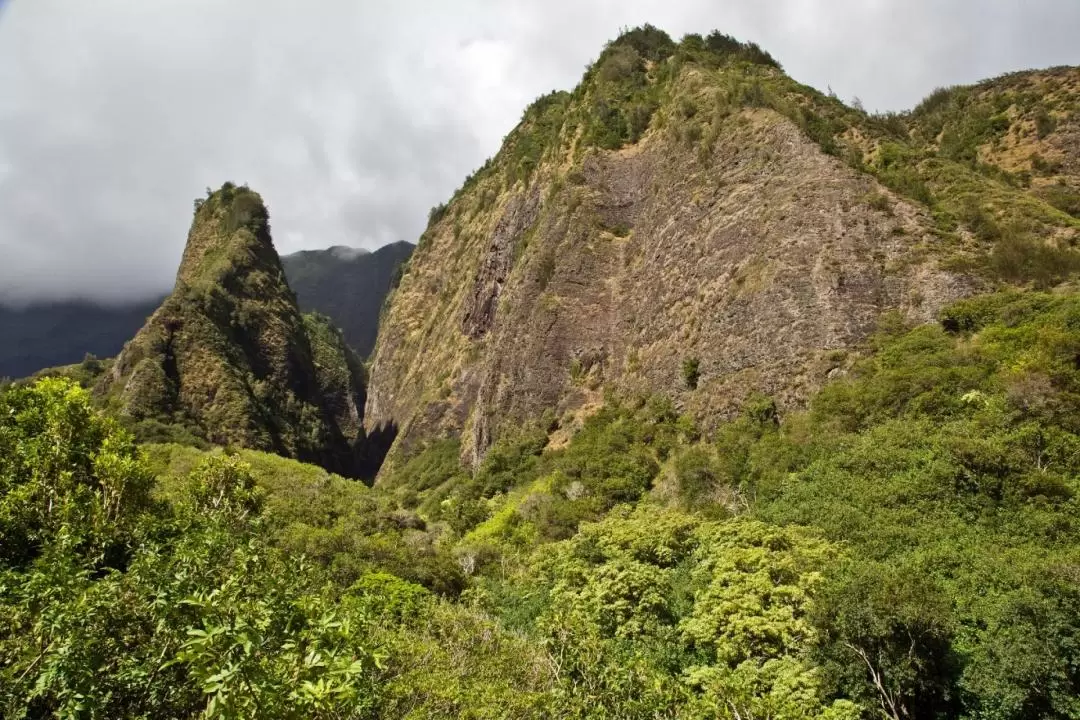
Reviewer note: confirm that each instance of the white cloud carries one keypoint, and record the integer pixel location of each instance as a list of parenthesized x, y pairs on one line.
[(352, 119)]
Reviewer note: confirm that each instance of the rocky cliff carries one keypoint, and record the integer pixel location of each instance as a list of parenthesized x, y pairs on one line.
[(228, 356), (689, 222)]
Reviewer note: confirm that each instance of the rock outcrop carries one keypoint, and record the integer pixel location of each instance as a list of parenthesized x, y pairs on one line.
[(228, 356)]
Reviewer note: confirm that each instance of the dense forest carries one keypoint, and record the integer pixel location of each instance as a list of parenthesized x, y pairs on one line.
[(908, 545), (903, 542)]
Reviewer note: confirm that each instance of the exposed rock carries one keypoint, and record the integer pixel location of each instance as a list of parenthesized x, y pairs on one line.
[(518, 217), (756, 264)]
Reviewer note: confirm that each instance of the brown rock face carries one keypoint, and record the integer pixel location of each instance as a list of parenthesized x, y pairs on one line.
[(763, 261), (520, 214)]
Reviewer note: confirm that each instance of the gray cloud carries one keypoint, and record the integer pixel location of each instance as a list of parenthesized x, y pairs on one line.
[(353, 118)]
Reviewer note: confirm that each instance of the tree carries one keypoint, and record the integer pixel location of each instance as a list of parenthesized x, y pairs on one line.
[(67, 475), (885, 634), (111, 610)]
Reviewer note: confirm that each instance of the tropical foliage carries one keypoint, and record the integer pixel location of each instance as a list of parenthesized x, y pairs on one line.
[(906, 548)]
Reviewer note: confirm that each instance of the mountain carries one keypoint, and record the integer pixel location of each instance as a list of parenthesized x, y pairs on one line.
[(721, 400), (228, 356), (348, 285), (48, 334), (691, 222)]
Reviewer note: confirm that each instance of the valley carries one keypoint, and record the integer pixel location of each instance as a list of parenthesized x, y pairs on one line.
[(707, 396)]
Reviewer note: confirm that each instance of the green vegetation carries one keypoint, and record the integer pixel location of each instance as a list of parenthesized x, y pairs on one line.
[(906, 548), (617, 99), (116, 607), (348, 286), (691, 372), (348, 529)]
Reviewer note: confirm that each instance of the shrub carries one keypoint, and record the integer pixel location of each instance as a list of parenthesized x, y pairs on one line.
[(621, 62), (696, 475), (638, 119), (649, 42), (879, 202), (1061, 196), (1018, 257), (67, 475), (691, 372), (1044, 124), (436, 214), (725, 46)]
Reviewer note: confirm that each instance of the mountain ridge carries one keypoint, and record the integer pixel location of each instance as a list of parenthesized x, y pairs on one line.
[(348, 285)]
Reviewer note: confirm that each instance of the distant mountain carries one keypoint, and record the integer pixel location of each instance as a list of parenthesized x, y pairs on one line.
[(59, 333), (347, 284)]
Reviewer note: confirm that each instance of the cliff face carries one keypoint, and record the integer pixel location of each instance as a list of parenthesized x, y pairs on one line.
[(691, 222), (229, 357), (652, 219), (757, 267)]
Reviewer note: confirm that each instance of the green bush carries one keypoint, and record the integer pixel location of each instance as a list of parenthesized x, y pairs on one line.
[(199, 617), (727, 46), (691, 372), (67, 476), (697, 476), (1063, 197), (436, 214), (1044, 124), (647, 41)]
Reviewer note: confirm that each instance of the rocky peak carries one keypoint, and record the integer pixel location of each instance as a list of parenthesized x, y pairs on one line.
[(229, 358)]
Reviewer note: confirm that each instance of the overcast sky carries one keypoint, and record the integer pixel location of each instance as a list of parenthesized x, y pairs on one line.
[(353, 118)]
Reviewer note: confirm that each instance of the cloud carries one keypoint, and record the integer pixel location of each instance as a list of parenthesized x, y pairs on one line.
[(352, 119)]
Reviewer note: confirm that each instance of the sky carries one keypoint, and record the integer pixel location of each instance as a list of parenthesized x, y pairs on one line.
[(353, 118)]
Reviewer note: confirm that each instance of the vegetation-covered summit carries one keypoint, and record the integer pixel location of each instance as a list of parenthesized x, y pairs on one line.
[(229, 359)]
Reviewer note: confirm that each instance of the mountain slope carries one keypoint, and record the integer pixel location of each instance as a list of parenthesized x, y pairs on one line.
[(229, 356), (347, 285), (1023, 126), (687, 222), (48, 334)]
